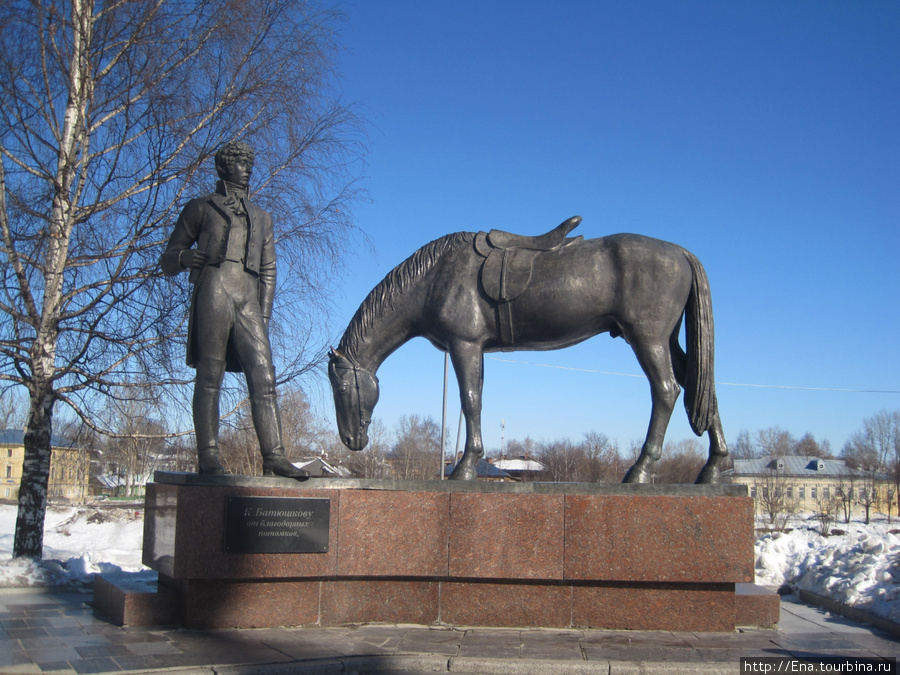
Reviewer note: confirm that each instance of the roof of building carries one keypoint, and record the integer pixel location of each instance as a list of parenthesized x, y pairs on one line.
[(796, 465), (311, 463), (519, 464), (17, 437), (483, 468), (109, 480)]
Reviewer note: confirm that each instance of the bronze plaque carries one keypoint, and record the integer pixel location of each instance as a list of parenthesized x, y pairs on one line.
[(276, 525)]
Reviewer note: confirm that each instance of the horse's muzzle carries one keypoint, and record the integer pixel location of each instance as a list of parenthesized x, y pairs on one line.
[(355, 443)]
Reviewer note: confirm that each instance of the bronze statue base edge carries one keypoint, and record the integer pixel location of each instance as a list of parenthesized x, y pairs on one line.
[(685, 490)]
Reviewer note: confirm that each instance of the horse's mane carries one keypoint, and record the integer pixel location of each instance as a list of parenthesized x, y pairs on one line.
[(395, 283)]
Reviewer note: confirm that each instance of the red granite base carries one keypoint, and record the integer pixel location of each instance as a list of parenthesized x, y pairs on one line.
[(132, 600), (664, 606), (618, 557), (756, 606), (230, 604)]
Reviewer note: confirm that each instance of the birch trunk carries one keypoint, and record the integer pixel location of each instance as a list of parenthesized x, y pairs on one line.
[(38, 432)]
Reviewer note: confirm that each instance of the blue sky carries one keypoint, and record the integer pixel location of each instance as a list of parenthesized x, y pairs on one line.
[(763, 136)]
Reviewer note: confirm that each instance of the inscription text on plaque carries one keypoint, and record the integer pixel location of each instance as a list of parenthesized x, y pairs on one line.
[(276, 525)]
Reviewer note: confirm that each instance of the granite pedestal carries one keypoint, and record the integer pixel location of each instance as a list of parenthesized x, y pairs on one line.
[(644, 557)]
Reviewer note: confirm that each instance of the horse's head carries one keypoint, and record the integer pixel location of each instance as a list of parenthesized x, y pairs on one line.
[(355, 392)]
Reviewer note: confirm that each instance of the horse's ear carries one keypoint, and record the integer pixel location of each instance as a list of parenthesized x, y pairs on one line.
[(335, 357)]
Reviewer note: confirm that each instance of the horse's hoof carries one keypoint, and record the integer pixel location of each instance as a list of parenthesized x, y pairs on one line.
[(463, 473), (636, 476), (708, 475)]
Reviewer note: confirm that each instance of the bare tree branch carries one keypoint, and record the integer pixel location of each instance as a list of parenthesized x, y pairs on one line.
[(109, 115)]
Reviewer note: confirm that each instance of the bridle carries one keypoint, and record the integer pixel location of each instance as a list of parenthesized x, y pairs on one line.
[(356, 368)]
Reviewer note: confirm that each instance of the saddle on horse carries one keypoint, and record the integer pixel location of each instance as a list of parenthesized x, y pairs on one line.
[(509, 260)]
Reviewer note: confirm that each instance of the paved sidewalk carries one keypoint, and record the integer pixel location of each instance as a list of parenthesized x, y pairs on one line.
[(47, 631)]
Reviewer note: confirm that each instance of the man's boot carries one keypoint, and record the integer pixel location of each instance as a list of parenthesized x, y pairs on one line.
[(276, 464), (208, 462)]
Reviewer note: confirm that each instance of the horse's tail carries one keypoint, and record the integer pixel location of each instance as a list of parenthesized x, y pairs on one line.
[(700, 387)]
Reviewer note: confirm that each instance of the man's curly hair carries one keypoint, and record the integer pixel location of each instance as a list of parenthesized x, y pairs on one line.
[(229, 153)]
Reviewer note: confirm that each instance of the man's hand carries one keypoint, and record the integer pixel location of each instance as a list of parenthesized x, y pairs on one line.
[(193, 259)]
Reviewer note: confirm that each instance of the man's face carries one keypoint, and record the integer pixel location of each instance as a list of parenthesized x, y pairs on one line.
[(239, 172)]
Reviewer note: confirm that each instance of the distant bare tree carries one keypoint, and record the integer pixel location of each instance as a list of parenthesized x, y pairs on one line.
[(182, 456), (602, 461), (304, 435), (416, 453), (595, 459), (563, 460), (890, 492), (808, 446), (516, 448), (894, 491), (109, 114), (859, 454), (369, 463), (844, 493), (11, 416), (138, 444), (238, 445), (877, 443), (777, 496), (680, 462), (867, 493), (775, 441), (824, 514), (743, 447)]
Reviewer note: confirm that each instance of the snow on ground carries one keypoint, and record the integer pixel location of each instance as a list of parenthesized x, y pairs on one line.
[(79, 541), (859, 567)]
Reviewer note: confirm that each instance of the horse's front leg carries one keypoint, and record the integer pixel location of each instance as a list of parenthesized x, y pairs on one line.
[(468, 364)]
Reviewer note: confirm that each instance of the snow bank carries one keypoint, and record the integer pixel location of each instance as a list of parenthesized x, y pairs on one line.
[(79, 542), (859, 567)]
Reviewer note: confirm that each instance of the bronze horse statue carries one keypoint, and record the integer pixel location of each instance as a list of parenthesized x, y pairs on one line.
[(471, 293)]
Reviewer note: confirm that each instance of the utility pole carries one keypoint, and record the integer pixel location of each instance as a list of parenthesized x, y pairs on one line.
[(444, 415)]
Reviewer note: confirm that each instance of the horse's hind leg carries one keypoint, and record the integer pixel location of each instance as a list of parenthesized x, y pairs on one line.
[(656, 362), (678, 356), (718, 451)]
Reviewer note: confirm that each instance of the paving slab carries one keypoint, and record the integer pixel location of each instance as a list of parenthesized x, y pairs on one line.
[(431, 641), (46, 631)]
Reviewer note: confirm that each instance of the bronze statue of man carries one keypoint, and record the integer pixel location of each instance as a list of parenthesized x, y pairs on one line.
[(228, 244)]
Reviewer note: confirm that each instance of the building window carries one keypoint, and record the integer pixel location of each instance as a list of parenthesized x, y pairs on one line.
[(826, 493), (6, 492), (812, 493), (8, 471), (9, 452), (753, 491), (790, 492), (802, 493)]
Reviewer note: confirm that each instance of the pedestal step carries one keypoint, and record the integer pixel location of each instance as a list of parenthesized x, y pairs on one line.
[(134, 600)]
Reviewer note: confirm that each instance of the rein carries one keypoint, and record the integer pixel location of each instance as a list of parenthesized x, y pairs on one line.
[(356, 368)]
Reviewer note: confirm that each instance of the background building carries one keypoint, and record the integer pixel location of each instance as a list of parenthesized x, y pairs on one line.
[(69, 467), (809, 484)]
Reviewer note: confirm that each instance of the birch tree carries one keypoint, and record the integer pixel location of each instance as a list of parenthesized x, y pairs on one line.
[(110, 112)]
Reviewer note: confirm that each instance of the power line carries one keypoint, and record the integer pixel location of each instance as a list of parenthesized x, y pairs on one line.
[(727, 384)]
